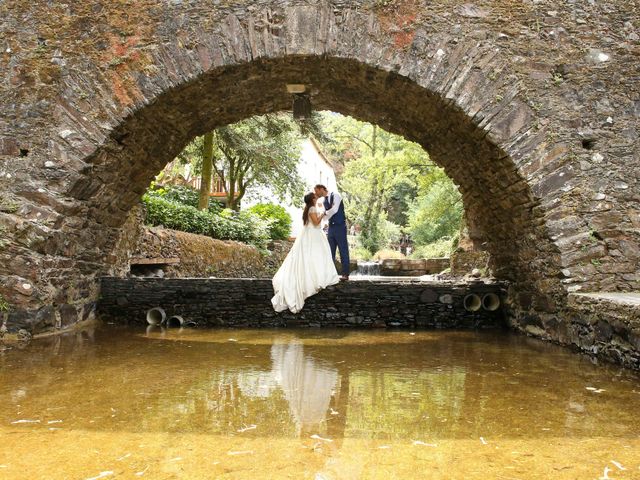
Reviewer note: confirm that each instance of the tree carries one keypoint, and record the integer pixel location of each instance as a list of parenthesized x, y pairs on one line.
[(380, 170), (278, 218), (436, 214), (207, 167), (261, 151)]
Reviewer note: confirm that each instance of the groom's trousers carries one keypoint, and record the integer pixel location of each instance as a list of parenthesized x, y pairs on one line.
[(337, 237)]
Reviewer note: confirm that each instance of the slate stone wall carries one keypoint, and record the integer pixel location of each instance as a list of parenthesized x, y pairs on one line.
[(463, 263), (202, 256), (605, 325), (531, 107), (413, 268), (247, 303)]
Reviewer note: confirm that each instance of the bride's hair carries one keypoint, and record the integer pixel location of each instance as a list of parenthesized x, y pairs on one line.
[(308, 203)]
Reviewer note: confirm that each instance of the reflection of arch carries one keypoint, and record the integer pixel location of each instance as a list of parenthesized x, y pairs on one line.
[(308, 386)]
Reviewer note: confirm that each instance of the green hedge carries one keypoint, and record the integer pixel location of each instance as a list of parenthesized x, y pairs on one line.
[(183, 195), (242, 227), (278, 217)]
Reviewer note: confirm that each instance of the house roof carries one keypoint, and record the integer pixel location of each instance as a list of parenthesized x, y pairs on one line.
[(318, 148)]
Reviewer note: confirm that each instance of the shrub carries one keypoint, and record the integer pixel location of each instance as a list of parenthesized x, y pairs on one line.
[(379, 233), (436, 214), (182, 195), (4, 305), (388, 254), (360, 253), (439, 249), (177, 216), (279, 218)]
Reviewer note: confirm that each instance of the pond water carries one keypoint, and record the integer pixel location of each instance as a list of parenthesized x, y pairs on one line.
[(115, 402)]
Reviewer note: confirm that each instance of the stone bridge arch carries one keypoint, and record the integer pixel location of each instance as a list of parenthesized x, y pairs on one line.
[(98, 97)]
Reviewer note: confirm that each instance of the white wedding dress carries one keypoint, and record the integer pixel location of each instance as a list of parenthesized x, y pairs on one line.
[(306, 270)]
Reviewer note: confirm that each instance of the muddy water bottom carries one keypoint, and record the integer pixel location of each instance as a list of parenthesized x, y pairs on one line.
[(117, 402)]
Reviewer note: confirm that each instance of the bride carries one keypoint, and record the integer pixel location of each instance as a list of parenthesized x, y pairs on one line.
[(308, 268)]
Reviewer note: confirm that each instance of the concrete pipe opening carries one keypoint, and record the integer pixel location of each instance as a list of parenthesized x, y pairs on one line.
[(156, 316), (491, 302), (472, 303), (175, 322)]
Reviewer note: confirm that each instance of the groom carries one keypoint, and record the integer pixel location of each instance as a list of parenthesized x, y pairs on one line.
[(337, 236)]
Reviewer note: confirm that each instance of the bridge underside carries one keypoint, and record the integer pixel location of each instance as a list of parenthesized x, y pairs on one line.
[(532, 115)]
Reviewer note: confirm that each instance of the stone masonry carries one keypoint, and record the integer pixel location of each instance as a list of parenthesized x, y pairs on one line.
[(531, 107), (214, 302), (413, 268), (201, 256)]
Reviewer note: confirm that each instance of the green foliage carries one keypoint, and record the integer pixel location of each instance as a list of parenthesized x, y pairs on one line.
[(436, 214), (383, 174), (443, 247), (380, 234), (244, 227), (371, 237), (279, 218), (4, 305), (360, 253), (400, 196), (379, 166), (8, 206), (182, 195), (261, 151), (3, 240), (388, 254)]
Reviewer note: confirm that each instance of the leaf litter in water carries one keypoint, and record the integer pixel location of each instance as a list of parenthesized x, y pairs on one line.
[(423, 444)]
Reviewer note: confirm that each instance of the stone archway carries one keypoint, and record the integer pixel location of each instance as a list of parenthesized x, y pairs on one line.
[(495, 195), (107, 114)]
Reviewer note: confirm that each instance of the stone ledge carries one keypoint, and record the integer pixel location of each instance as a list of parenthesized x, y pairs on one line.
[(154, 261), (624, 298), (606, 324)]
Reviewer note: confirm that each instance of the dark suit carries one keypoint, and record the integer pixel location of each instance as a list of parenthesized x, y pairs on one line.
[(337, 234)]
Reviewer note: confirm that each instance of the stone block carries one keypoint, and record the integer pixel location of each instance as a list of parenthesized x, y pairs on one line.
[(463, 263)]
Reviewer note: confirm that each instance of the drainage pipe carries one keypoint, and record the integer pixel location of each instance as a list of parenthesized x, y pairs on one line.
[(156, 316), (175, 321), (491, 302), (472, 302)]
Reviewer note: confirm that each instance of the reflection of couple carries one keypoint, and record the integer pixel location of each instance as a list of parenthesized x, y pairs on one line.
[(307, 385), (309, 267)]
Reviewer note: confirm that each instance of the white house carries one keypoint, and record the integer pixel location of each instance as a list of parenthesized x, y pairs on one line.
[(313, 168)]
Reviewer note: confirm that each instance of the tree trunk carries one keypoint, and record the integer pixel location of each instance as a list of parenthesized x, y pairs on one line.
[(242, 187), (207, 167), (232, 178), (374, 140)]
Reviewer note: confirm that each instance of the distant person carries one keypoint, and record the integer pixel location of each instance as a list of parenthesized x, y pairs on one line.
[(334, 210), (308, 267)]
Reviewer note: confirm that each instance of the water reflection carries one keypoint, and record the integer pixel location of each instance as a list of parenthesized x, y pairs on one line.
[(307, 385), (291, 394)]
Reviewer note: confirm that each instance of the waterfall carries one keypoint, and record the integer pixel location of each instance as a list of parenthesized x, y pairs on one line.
[(368, 269)]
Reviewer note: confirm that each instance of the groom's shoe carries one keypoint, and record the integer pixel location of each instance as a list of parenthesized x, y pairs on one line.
[(344, 278)]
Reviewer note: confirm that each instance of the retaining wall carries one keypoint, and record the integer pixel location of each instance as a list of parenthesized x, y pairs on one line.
[(412, 268), (202, 256), (246, 303)]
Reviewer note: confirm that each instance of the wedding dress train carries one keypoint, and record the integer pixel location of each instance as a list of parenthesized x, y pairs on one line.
[(307, 269)]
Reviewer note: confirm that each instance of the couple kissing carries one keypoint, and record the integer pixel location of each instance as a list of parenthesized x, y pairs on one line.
[(310, 264)]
